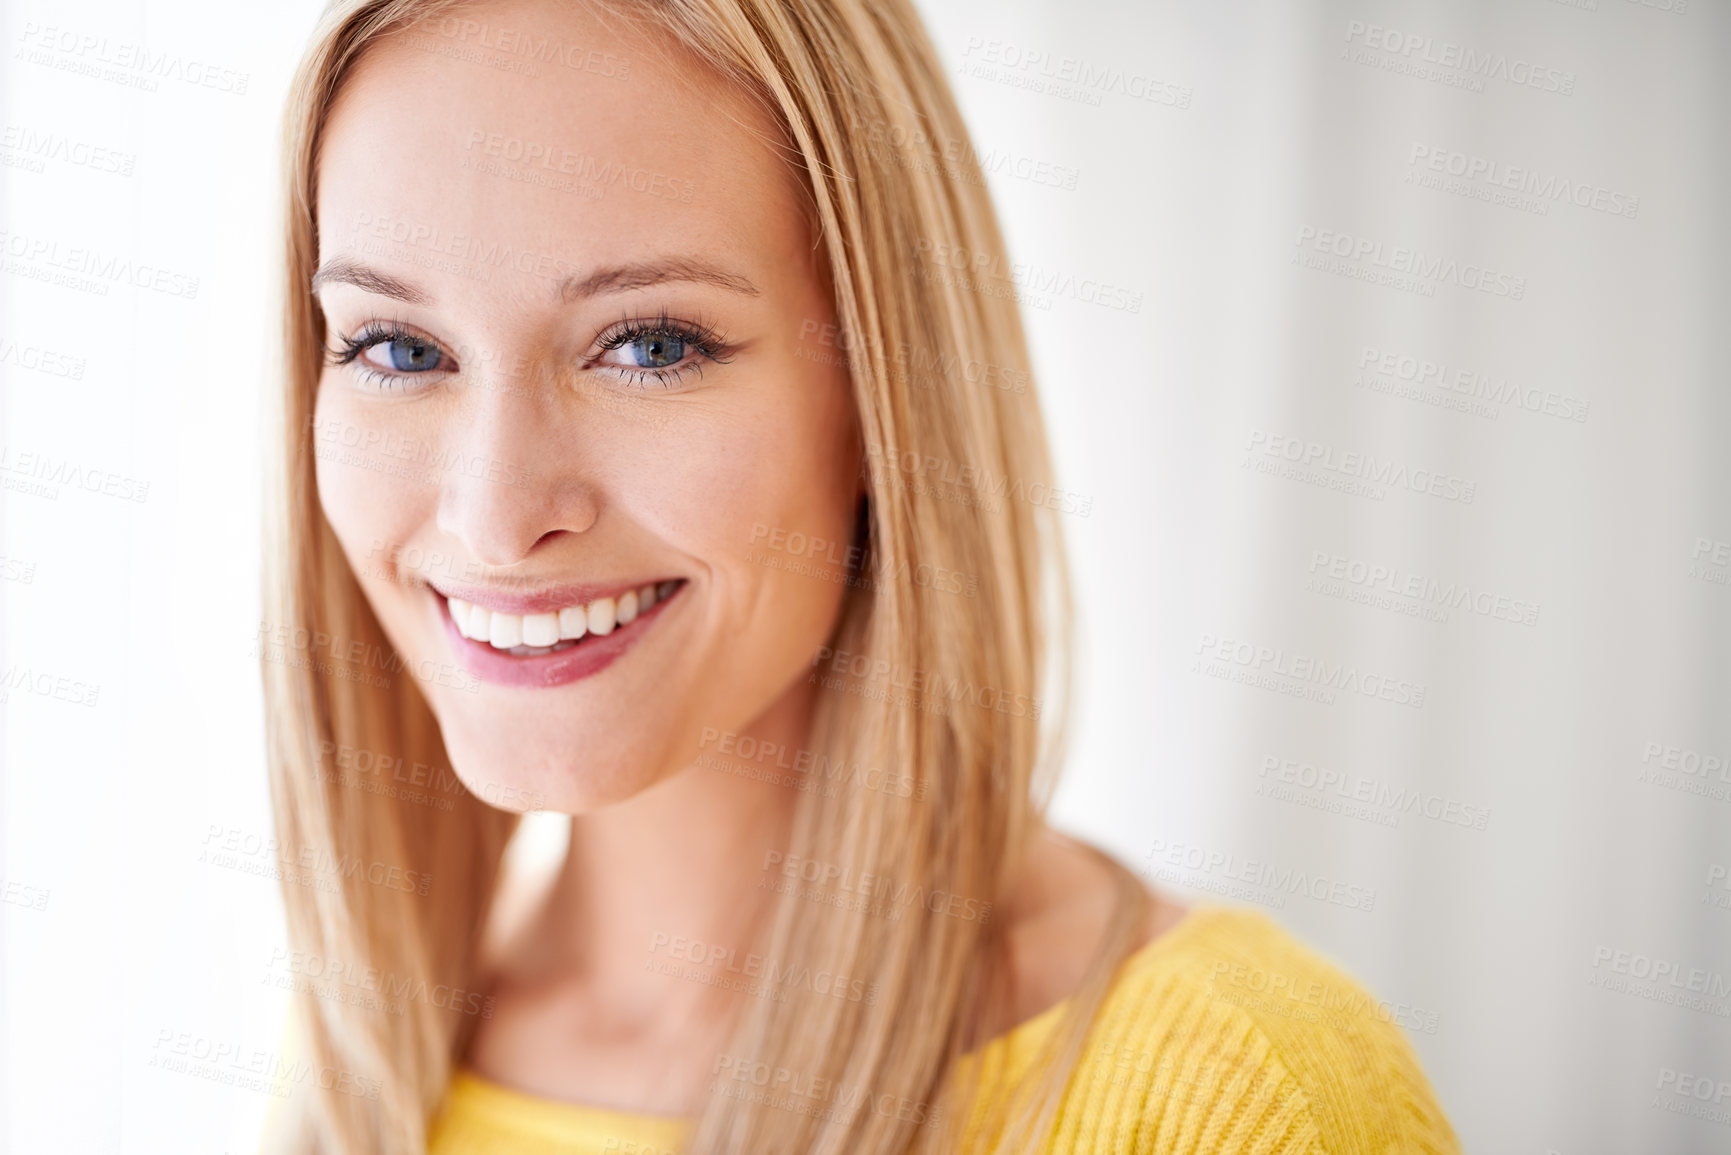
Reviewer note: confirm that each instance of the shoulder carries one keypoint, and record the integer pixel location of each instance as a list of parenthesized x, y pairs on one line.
[(1228, 1024), (1054, 919)]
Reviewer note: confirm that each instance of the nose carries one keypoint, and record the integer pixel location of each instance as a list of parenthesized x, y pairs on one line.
[(512, 475)]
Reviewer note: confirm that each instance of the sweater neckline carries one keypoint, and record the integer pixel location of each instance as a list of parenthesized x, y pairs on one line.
[(557, 1115)]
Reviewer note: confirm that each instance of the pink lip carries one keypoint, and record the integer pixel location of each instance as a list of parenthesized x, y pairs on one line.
[(589, 656), (540, 599)]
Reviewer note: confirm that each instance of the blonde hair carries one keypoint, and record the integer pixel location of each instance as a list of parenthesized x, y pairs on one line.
[(883, 158)]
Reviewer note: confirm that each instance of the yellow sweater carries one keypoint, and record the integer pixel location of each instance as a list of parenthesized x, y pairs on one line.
[(1223, 1036)]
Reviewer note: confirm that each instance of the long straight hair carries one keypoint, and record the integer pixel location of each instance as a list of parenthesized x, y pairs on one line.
[(959, 478)]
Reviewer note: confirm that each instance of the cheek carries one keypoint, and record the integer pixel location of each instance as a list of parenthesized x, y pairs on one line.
[(367, 483), (772, 516)]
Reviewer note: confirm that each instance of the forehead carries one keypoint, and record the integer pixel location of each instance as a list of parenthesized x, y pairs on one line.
[(534, 140)]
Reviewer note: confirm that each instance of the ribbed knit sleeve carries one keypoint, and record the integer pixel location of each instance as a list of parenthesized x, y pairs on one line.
[(1227, 1036)]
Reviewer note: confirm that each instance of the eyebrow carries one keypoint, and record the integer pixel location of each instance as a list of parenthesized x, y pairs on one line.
[(622, 278), (615, 279), (342, 271)]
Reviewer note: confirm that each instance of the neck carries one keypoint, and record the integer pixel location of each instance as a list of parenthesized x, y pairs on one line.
[(669, 880)]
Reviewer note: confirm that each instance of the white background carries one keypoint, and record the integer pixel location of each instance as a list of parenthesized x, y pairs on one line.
[(1208, 146)]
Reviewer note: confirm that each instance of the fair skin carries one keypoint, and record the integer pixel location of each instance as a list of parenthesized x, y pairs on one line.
[(554, 393)]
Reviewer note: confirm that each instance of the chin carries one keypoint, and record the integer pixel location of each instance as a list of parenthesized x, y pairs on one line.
[(523, 776)]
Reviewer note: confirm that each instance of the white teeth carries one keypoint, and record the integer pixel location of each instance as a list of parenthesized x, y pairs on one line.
[(505, 631), (526, 635), (540, 629)]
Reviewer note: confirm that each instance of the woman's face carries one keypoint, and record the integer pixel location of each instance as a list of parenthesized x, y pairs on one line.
[(575, 290)]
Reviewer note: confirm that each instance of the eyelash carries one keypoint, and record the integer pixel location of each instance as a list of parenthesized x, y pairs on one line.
[(706, 341), (709, 344), (374, 333)]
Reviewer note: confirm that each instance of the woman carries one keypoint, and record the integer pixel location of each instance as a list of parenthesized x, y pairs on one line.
[(634, 417)]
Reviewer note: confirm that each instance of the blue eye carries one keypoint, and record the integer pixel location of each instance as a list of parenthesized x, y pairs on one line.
[(387, 354), (661, 351), (657, 350), (405, 355)]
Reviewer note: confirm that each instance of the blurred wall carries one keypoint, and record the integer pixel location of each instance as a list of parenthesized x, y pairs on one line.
[(1405, 568)]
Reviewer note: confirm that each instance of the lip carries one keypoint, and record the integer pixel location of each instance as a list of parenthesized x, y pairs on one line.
[(539, 599), (588, 657)]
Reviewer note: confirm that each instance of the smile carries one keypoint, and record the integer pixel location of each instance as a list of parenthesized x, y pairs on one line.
[(532, 635), (550, 644)]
